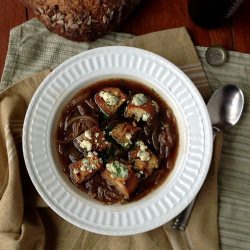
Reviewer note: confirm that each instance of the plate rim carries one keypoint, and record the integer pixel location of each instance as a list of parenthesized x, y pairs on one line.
[(60, 68)]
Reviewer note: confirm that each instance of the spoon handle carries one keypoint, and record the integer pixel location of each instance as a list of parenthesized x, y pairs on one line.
[(181, 220)]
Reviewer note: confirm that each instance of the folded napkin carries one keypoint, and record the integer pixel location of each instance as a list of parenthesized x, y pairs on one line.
[(25, 221)]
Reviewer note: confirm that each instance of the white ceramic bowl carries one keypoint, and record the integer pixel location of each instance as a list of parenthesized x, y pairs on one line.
[(195, 141)]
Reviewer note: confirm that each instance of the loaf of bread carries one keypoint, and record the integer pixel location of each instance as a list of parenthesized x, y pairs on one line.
[(81, 20)]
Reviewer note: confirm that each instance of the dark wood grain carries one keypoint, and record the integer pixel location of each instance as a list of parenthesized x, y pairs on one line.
[(241, 28), (164, 14), (150, 16), (30, 13), (12, 13)]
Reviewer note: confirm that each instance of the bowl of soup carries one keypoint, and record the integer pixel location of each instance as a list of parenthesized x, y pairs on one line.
[(117, 140)]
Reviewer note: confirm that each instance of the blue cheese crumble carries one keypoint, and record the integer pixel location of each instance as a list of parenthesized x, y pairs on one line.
[(143, 154), (84, 144), (139, 99), (109, 98), (141, 115), (117, 169), (87, 165), (145, 116), (128, 136), (88, 134)]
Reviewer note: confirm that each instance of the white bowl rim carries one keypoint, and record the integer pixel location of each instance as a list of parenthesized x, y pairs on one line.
[(131, 51)]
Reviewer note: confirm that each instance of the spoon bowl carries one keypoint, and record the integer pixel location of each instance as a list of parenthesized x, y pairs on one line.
[(225, 107)]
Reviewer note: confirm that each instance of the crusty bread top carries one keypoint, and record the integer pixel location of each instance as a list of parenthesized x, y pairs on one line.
[(81, 19)]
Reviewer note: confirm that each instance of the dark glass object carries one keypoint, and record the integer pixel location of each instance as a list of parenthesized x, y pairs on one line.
[(212, 13)]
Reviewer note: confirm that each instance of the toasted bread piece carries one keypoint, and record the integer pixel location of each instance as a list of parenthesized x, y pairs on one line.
[(110, 99), (142, 108), (84, 169), (92, 140), (125, 181), (144, 160), (123, 133)]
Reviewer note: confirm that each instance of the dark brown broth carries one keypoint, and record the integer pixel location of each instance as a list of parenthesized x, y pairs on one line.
[(96, 187)]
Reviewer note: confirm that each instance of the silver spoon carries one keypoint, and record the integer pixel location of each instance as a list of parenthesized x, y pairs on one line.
[(225, 108)]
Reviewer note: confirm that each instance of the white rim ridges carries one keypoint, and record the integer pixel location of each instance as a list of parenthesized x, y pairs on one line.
[(165, 202)]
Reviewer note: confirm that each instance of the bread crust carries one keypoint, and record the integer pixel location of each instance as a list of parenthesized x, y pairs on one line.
[(81, 20)]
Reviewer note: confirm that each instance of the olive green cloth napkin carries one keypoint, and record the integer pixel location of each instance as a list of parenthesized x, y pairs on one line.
[(32, 49)]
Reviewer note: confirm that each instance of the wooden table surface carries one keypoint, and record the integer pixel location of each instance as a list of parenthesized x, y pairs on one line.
[(150, 15)]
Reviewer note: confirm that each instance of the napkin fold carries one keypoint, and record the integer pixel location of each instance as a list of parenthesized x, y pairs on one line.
[(26, 222)]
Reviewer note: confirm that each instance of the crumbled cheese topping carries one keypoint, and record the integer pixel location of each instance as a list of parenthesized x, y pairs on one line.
[(117, 169), (109, 98), (85, 161), (75, 171), (85, 145), (97, 134), (90, 154), (139, 174), (141, 145), (87, 165), (128, 136), (139, 99), (145, 116), (126, 144), (88, 134), (141, 115), (83, 168), (143, 154)]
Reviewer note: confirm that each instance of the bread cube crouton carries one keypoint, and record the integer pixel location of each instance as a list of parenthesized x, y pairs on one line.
[(92, 140), (123, 133), (110, 99), (83, 170), (142, 108), (121, 177), (144, 160)]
